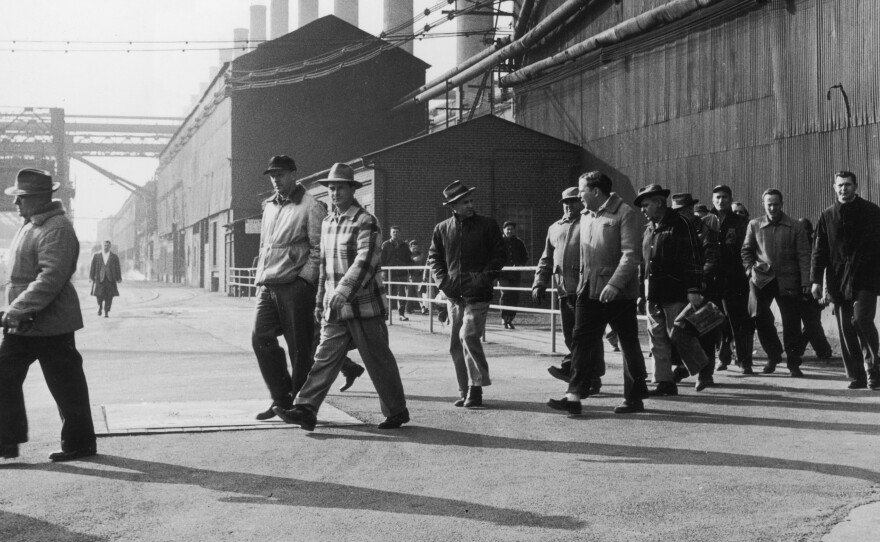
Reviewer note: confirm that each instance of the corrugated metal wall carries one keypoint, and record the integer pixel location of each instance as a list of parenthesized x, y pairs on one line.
[(741, 100)]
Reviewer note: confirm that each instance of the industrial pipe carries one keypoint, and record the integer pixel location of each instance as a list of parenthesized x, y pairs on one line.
[(522, 19), (673, 11)]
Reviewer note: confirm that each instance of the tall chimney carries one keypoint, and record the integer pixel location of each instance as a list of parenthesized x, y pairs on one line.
[(397, 12), (472, 30), (279, 18), (308, 11), (239, 42), (225, 55), (347, 10), (258, 25)]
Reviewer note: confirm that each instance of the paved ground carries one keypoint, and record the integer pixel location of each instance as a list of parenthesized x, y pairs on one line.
[(757, 458)]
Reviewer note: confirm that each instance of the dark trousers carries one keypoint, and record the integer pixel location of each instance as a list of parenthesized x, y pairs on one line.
[(858, 336), (509, 297), (62, 368), (591, 318), (288, 310), (813, 332), (742, 327), (567, 309), (400, 304), (790, 309), (104, 303)]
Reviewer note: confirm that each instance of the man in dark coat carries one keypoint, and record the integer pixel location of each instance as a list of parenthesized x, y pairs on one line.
[(516, 256), (846, 258), (395, 252), (104, 273), (466, 256)]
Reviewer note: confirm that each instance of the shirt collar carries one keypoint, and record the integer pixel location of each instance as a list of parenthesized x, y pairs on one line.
[(349, 214)]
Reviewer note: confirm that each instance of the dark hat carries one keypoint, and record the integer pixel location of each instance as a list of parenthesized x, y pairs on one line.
[(508, 223), (340, 173), (650, 190), (454, 191), (569, 193), (29, 181), (683, 200), (701, 208), (282, 162), (723, 188)]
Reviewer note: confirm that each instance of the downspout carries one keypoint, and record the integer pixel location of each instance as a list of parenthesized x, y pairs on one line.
[(673, 11), (516, 48)]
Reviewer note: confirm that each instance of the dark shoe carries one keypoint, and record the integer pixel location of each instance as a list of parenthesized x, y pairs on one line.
[(679, 374), (703, 384), (857, 385), (393, 422), (474, 397), (99, 312), (873, 384), (299, 415), (9, 451), (510, 325), (825, 356), (424, 311), (268, 414), (61, 456), (721, 366), (572, 407), (630, 407), (459, 402), (403, 318), (556, 372), (795, 372), (664, 389), (351, 376), (107, 314), (748, 371), (770, 368)]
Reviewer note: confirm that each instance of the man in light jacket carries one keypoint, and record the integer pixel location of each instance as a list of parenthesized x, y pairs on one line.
[(776, 257), (40, 319)]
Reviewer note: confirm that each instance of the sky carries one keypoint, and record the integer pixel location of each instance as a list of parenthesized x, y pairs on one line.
[(117, 79)]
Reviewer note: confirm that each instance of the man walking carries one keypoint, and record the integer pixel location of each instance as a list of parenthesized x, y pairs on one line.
[(351, 307), (40, 319), (562, 259), (776, 256), (104, 273), (672, 257), (516, 256), (847, 259), (607, 294), (396, 252), (466, 257)]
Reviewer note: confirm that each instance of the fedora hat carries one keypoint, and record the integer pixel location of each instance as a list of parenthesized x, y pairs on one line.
[(281, 162), (683, 200), (340, 173), (701, 208), (455, 190), (650, 190), (30, 181), (569, 194)]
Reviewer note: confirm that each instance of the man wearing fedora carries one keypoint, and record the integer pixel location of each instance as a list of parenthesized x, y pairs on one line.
[(562, 259), (40, 319), (466, 256), (517, 255), (607, 294), (104, 273), (351, 307), (395, 252), (672, 265)]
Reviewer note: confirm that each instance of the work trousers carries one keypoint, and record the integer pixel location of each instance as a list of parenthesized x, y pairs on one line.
[(288, 310), (813, 332), (468, 325), (62, 367), (509, 297), (370, 336), (858, 336), (567, 309), (741, 326), (661, 324), (790, 309), (591, 318), (104, 303)]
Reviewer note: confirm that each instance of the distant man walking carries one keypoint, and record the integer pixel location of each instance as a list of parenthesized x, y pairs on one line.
[(517, 255), (466, 256), (104, 274), (351, 307), (847, 259), (396, 252), (40, 320)]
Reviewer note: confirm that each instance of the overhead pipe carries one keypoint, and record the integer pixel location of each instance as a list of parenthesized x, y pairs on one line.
[(512, 50), (665, 14), (522, 19)]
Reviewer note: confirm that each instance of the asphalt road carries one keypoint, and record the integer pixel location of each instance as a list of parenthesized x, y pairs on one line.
[(756, 458)]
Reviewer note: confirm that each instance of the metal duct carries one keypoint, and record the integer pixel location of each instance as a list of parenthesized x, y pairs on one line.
[(279, 22), (308, 12), (239, 42), (347, 10), (557, 17), (396, 13), (258, 25), (673, 11)]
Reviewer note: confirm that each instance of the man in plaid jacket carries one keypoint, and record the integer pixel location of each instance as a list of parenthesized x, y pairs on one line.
[(351, 307)]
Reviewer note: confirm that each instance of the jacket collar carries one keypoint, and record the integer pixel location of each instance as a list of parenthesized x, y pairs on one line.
[(53, 208), (350, 213), (784, 220), (611, 205)]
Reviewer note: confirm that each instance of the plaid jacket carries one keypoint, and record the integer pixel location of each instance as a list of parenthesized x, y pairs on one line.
[(350, 265)]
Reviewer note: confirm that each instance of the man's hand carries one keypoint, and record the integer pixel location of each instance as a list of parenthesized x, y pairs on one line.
[(336, 301), (609, 293), (538, 294), (816, 290), (695, 299), (319, 314)]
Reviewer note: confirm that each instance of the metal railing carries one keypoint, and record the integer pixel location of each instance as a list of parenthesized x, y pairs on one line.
[(240, 281)]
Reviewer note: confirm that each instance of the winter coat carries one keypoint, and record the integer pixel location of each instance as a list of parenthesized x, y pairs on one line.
[(778, 251), (104, 277), (731, 278), (610, 254), (466, 257), (562, 256), (672, 255)]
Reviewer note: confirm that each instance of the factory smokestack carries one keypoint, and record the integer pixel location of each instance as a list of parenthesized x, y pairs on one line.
[(279, 20), (239, 42), (308, 11), (397, 12), (347, 10), (258, 25)]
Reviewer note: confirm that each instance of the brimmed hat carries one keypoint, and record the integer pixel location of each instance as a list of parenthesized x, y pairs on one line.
[(454, 191), (30, 181), (508, 223), (340, 173), (683, 200), (570, 193), (281, 162), (701, 208), (650, 190), (723, 188)]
